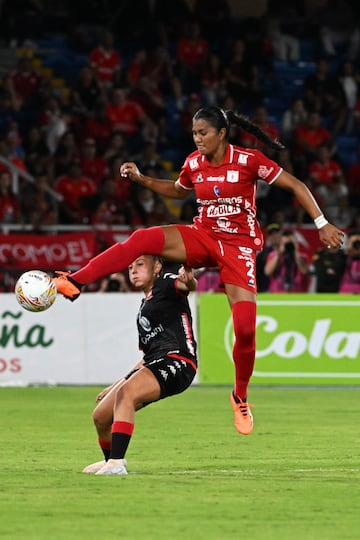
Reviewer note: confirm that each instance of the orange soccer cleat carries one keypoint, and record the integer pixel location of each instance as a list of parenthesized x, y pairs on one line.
[(67, 286), (243, 419)]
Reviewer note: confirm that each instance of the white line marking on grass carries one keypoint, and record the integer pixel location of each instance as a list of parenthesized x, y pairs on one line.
[(265, 472)]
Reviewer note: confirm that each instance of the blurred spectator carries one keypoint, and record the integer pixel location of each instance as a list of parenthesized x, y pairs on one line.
[(150, 207), (324, 170), (327, 182), (213, 83), (307, 138), (8, 112), (116, 282), (285, 46), (327, 268), (146, 93), (10, 209), (160, 69), (66, 152), (260, 117), (38, 206), (338, 28), (86, 92), (286, 266), (93, 166), (105, 59), (193, 103), (124, 188), (5, 152), (188, 211), (110, 209), (135, 68), (78, 193), (273, 234), (37, 154), (192, 50), (349, 80), (241, 77), (324, 94), (99, 127), (294, 115), (149, 158), (55, 123), (130, 118), (25, 81), (350, 282), (353, 181), (116, 146), (14, 142)]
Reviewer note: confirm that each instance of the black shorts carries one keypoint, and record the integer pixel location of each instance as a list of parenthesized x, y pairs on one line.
[(172, 373)]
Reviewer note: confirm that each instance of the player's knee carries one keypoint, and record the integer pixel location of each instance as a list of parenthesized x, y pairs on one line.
[(100, 420)]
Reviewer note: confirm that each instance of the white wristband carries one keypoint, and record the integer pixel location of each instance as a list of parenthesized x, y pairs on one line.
[(320, 222)]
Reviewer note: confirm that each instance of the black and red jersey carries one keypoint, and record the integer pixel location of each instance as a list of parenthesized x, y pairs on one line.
[(164, 321)]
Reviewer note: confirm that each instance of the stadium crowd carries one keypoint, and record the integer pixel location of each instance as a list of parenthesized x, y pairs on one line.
[(132, 97)]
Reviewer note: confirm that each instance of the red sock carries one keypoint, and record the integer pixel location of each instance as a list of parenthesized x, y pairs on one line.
[(105, 447), (120, 255), (244, 320)]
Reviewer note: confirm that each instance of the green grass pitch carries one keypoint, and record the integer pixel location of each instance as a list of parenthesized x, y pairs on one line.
[(191, 476)]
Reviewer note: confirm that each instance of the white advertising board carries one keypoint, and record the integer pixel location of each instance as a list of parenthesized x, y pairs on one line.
[(90, 341)]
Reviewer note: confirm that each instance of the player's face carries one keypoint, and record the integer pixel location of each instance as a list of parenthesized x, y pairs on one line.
[(143, 272), (206, 138)]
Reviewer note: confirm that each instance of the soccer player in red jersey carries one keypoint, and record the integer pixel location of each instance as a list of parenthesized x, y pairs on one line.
[(225, 234)]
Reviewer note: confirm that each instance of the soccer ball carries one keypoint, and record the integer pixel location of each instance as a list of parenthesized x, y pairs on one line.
[(35, 291)]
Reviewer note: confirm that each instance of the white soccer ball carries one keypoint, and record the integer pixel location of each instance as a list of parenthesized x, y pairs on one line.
[(35, 291)]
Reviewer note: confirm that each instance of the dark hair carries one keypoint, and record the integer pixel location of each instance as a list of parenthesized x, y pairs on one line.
[(220, 119)]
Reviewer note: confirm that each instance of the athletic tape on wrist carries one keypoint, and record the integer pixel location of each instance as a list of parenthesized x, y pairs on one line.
[(320, 222)]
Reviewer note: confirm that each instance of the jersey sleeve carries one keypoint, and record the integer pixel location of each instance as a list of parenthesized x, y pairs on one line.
[(184, 179), (265, 168)]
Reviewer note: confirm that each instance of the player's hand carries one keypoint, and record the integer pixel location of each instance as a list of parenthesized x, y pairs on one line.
[(186, 276), (103, 393), (131, 171), (331, 236)]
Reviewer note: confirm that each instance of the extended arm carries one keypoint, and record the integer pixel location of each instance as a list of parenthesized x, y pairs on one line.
[(328, 233), (166, 188)]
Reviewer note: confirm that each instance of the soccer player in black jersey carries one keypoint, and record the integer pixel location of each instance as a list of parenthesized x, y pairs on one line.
[(169, 361)]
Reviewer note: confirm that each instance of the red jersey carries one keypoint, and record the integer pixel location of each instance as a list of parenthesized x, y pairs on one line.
[(26, 83), (126, 118), (226, 193), (192, 53), (324, 173), (105, 63), (73, 190)]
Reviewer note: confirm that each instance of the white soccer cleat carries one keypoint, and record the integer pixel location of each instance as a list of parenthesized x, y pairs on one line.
[(94, 467), (113, 466)]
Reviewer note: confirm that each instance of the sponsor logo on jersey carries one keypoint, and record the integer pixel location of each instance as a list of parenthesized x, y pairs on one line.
[(243, 159), (263, 171), (217, 191), (199, 178), (232, 176), (193, 163), (215, 178), (145, 323), (224, 225), (221, 210)]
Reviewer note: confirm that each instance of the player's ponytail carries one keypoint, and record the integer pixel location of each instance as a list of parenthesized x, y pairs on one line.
[(220, 119)]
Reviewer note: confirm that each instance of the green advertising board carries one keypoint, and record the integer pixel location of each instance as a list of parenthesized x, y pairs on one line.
[(300, 339)]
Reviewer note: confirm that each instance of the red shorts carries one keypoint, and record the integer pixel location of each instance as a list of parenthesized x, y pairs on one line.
[(236, 263)]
